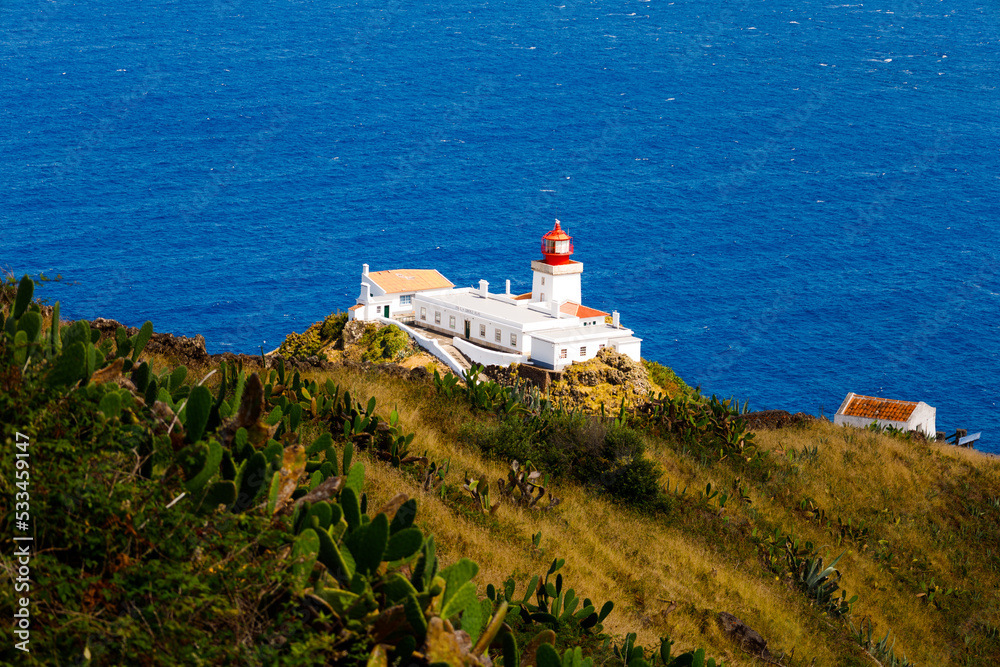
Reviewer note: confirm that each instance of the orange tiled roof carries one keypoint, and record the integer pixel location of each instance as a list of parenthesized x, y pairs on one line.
[(355, 306), (522, 297), (576, 309), (409, 280), (871, 407)]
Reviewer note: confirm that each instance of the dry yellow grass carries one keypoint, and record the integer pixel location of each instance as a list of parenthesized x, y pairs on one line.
[(902, 489), (673, 579), (670, 576)]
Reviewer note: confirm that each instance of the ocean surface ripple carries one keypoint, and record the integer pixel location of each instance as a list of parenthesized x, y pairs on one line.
[(787, 201)]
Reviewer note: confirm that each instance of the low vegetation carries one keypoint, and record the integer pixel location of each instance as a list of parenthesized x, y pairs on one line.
[(315, 338), (252, 515), (384, 343), (336, 339)]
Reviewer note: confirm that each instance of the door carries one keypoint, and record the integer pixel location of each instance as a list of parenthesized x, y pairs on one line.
[(468, 328), (387, 311)]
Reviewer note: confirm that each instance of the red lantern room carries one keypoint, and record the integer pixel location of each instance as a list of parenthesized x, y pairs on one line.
[(557, 246)]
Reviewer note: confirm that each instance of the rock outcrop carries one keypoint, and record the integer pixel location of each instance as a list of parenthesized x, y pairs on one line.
[(191, 351), (509, 376), (743, 635), (606, 379), (182, 348)]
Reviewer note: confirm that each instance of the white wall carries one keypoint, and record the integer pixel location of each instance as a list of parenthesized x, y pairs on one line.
[(562, 282), (375, 289), (375, 308), (547, 353), (920, 420), (523, 344), (629, 348), (367, 312), (923, 419), (865, 422), (432, 345), (543, 353), (480, 355)]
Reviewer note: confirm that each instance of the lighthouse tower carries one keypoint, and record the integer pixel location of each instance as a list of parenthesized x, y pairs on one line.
[(556, 277)]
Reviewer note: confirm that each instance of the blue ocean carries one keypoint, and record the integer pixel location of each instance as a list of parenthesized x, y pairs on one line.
[(786, 200)]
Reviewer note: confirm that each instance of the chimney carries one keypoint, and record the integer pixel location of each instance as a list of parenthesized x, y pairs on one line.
[(614, 319), (555, 308), (484, 289), (364, 269), (508, 287), (366, 292)]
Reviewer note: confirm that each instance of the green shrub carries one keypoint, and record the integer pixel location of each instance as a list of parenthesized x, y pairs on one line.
[(505, 440), (637, 482), (581, 447), (315, 338), (333, 326), (575, 446), (302, 345), (385, 344), (665, 377), (623, 442)]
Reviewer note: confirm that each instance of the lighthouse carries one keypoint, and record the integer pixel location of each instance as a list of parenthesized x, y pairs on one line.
[(556, 277), (548, 327)]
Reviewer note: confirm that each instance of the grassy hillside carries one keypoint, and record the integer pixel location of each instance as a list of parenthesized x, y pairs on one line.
[(153, 543), (917, 524)]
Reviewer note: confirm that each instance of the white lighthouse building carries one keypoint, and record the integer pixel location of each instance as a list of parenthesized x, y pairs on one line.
[(548, 327)]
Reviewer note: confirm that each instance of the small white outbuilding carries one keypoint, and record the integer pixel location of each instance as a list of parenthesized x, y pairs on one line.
[(861, 411)]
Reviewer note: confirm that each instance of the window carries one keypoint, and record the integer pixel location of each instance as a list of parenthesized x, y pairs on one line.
[(562, 353), (404, 300), (543, 280), (451, 321), (423, 313), (437, 317), (583, 351), (482, 331), (497, 335), (513, 340), (541, 296)]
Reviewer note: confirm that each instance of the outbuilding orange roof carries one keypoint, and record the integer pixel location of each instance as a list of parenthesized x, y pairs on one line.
[(578, 310), (871, 407), (409, 280), (355, 306), (522, 297)]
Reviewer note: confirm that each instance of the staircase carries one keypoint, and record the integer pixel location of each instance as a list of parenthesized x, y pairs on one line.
[(448, 347)]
